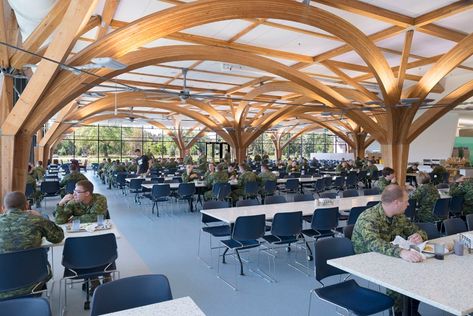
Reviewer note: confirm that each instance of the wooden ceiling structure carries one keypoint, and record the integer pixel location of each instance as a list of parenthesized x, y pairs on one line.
[(358, 66)]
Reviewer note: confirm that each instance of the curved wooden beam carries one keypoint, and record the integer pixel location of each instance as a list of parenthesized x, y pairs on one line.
[(299, 133)]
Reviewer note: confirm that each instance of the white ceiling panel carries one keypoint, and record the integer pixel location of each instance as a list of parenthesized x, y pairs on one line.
[(223, 30), (409, 7), (461, 22), (426, 45), (213, 77), (142, 78)]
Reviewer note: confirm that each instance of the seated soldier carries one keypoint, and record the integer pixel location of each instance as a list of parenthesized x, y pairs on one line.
[(292, 167), (265, 175), (389, 177), (22, 229), (244, 177), (189, 175), (36, 196), (219, 176), (426, 195), (370, 168), (38, 171), (74, 175)]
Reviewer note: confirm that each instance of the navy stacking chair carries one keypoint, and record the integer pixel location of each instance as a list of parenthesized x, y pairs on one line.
[(251, 202), (431, 230), (50, 189), (136, 188), (372, 203), (469, 221), (87, 258), (24, 269), (130, 292), (347, 295), (456, 205), (36, 306), (70, 186), (274, 199), (269, 188), (372, 191), (186, 192), (351, 181), (291, 186), (328, 195), (29, 190), (323, 224), (441, 208), (303, 197), (250, 189), (454, 226), (159, 193), (349, 193), (355, 212), (411, 209)]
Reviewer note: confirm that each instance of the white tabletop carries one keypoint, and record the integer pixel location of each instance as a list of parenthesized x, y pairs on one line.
[(230, 214), (68, 234), (176, 307), (445, 284)]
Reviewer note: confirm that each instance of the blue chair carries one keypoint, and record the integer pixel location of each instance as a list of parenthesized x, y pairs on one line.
[(25, 306), (285, 230), (441, 208), (136, 188), (349, 193), (250, 189), (251, 202), (217, 231), (29, 190), (328, 195), (121, 180), (269, 188), (355, 213), (338, 183), (291, 186), (348, 231), (372, 191), (246, 233), (221, 190), (87, 258), (319, 186), (431, 230), (274, 199), (323, 224), (328, 182), (372, 203), (26, 270), (70, 187), (186, 192), (130, 292), (303, 197), (159, 193), (351, 181), (50, 189), (456, 205), (469, 221), (347, 295), (454, 226), (411, 209)]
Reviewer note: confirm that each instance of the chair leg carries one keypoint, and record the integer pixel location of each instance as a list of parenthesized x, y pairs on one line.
[(241, 263), (223, 256)]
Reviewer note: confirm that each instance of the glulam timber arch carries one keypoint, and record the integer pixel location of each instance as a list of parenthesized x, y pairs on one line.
[(277, 136)]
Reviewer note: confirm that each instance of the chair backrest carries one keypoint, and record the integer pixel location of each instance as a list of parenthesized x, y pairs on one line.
[(287, 224), (130, 292), (24, 268), (50, 187), (270, 186), (330, 248), (29, 190), (430, 229), (441, 208), (325, 218), (372, 191), (208, 205), (375, 175), (160, 190), (372, 203), (328, 182), (456, 204), (292, 184), (70, 186), (274, 199), (319, 185), (249, 227), (251, 187), (469, 221), (186, 189), (135, 183), (328, 195), (355, 213), (349, 193), (351, 180), (177, 179), (221, 190), (89, 252), (338, 182), (454, 226), (362, 175), (303, 197), (410, 211), (250, 202), (25, 306), (348, 231)]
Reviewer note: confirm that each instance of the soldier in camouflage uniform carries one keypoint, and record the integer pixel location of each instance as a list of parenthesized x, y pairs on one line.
[(189, 175), (244, 177), (389, 177), (219, 176), (37, 195), (103, 171), (438, 174), (426, 195), (21, 229), (292, 167), (264, 176), (378, 226), (132, 167), (187, 158), (209, 173), (202, 162), (38, 171), (116, 168), (464, 189), (83, 204), (370, 169), (74, 175)]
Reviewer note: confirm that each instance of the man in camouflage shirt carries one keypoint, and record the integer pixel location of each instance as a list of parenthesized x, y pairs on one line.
[(376, 227), (244, 177), (39, 171), (83, 204), (426, 195), (189, 175), (74, 175), (219, 176), (464, 189), (389, 177), (187, 158), (21, 229), (264, 176), (202, 162)]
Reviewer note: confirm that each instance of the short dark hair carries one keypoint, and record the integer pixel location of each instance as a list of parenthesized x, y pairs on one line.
[(15, 199), (137, 150), (87, 185), (387, 171), (392, 193), (73, 167)]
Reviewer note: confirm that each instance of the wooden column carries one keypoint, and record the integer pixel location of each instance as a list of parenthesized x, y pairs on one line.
[(360, 144), (239, 153), (6, 159)]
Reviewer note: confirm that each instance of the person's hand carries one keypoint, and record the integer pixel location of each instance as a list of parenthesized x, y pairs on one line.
[(411, 256), (65, 199), (415, 238)]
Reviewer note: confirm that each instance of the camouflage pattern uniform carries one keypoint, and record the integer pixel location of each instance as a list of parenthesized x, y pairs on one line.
[(437, 174), (37, 195), (87, 213), (73, 176), (374, 231), (20, 230), (188, 160), (266, 176), (464, 189), (227, 157), (103, 172), (426, 195), (38, 172), (291, 169), (202, 161), (112, 175), (211, 179), (132, 168), (187, 177), (245, 177), (340, 169), (382, 183)]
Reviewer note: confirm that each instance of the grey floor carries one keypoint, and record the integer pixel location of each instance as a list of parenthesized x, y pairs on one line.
[(168, 245)]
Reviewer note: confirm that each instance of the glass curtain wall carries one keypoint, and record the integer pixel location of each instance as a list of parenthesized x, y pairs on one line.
[(119, 142)]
